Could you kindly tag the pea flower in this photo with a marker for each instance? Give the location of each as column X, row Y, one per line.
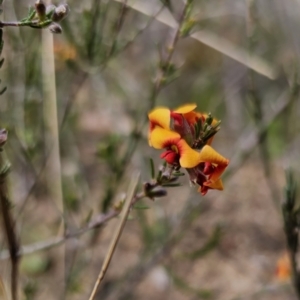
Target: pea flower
column 186, row 136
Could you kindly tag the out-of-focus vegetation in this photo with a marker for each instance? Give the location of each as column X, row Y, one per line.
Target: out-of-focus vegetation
column 114, row 61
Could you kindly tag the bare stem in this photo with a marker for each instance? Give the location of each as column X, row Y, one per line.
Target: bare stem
column 9, row 226
column 33, row 24
column 117, row 235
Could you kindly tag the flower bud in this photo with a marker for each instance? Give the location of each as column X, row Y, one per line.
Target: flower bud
column 50, row 10
column 55, row 28
column 151, row 191
column 60, row 12
column 209, row 119
column 157, row 193
column 40, row 9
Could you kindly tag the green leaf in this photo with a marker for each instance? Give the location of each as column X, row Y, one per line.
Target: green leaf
column 152, row 168
column 170, row 184
column 178, row 173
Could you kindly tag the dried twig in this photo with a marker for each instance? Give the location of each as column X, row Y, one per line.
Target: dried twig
column 56, row 241
column 125, row 211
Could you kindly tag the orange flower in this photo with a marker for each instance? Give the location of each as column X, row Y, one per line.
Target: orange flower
column 174, row 120
column 182, row 120
column 161, row 116
column 186, row 136
column 206, row 176
column 205, row 167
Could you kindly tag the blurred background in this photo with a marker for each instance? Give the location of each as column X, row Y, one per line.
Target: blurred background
column 241, row 64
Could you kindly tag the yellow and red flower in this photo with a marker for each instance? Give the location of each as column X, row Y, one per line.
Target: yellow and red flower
column 182, row 120
column 175, row 131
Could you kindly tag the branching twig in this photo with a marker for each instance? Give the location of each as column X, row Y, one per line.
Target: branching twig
column 97, row 222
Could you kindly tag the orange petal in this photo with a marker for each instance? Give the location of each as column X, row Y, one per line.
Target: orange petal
column 208, row 154
column 216, row 185
column 161, row 138
column 192, row 117
column 184, row 109
column 189, row 158
column 161, row 117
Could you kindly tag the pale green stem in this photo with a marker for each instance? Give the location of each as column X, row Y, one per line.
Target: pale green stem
column 52, row 166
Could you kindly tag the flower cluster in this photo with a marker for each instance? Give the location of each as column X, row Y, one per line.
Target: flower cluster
column 186, row 136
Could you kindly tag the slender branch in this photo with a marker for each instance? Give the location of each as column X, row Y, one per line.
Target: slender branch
column 56, row 241
column 33, row 24
column 8, row 222
column 117, row 235
column 179, row 226
column 97, row 222
column 96, row 8
column 167, row 60
column 118, row 26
